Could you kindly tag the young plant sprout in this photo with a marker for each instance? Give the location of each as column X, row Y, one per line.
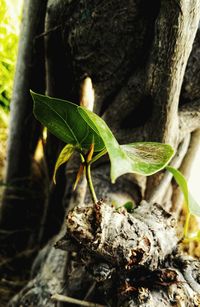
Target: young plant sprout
column 86, row 133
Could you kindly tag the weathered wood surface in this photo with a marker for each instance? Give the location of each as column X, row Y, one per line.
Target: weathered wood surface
column 131, row 258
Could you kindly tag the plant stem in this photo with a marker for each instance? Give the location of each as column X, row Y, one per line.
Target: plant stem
column 191, row 239
column 67, row 299
column 186, row 226
column 89, row 181
column 99, row 155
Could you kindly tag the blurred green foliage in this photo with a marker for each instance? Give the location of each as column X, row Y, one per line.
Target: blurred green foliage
column 10, row 13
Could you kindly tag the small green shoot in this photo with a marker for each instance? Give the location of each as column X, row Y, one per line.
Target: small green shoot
column 129, row 206
column 193, row 208
column 88, row 134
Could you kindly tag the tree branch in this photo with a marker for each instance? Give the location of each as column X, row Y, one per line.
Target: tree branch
column 49, row 270
column 189, row 118
column 67, row 299
column 185, row 168
column 158, row 192
column 124, row 239
column 29, row 74
column 170, row 52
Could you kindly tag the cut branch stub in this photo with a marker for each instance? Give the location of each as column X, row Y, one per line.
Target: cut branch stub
column 142, row 238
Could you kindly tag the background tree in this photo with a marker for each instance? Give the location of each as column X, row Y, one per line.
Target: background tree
column 136, row 55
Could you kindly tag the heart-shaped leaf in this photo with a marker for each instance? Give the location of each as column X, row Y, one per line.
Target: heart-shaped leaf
column 63, row 157
column 192, row 205
column 62, row 119
column 141, row 158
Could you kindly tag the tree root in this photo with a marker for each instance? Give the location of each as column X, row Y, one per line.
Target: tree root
column 123, row 239
column 131, row 259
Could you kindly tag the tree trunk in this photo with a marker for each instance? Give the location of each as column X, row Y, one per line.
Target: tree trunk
column 136, row 55
column 23, row 196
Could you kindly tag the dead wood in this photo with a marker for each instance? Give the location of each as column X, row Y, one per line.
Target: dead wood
column 130, row 258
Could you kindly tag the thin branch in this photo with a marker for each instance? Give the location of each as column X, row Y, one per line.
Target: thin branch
column 185, row 168
column 67, row 299
column 90, row 290
column 190, row 155
column 189, row 118
column 160, row 190
column 45, row 33
column 26, row 253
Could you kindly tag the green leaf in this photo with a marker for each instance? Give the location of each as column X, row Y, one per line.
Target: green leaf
column 119, row 160
column 192, row 205
column 141, row 158
column 148, row 157
column 63, row 157
column 181, row 181
column 62, row 119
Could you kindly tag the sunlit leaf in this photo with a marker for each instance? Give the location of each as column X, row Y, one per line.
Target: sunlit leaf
column 192, row 205
column 141, row 158
column 148, row 157
column 62, row 119
column 63, row 157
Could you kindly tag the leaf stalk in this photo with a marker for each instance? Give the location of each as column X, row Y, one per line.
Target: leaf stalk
column 186, row 226
column 89, row 181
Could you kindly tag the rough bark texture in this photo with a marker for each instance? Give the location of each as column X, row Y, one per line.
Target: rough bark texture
column 136, row 54
column 129, row 259
column 172, row 46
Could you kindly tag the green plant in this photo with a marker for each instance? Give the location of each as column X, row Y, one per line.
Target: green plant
column 192, row 206
column 9, row 33
column 89, row 135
